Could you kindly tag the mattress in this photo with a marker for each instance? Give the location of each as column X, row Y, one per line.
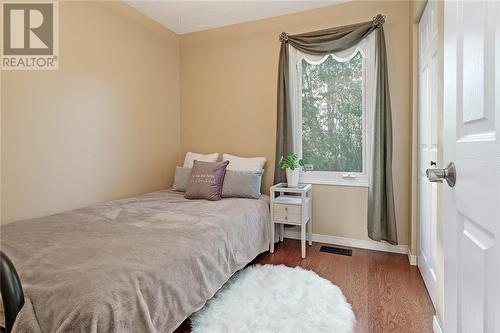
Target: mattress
column 141, row 264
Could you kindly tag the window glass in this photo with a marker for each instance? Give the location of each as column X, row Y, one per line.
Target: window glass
column 332, row 114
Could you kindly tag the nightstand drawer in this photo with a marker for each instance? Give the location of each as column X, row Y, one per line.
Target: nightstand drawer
column 289, row 209
column 287, row 217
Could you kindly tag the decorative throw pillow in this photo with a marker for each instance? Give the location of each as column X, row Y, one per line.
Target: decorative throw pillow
column 181, row 179
column 206, row 180
column 255, row 164
column 191, row 157
column 242, row 184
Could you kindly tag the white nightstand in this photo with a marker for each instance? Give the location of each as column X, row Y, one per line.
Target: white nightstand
column 291, row 205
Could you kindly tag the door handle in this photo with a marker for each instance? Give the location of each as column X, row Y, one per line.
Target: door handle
column 437, row 175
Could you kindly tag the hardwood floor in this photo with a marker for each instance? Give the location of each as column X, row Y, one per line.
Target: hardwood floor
column 386, row 293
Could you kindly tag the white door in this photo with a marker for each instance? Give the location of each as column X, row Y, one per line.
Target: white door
column 472, row 130
column 428, row 108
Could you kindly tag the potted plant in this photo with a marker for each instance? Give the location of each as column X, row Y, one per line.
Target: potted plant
column 292, row 166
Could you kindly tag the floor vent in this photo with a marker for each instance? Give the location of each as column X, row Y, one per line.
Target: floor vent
column 336, row 250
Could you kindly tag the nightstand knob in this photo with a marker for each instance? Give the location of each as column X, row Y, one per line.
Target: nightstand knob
column 286, row 217
column 286, row 209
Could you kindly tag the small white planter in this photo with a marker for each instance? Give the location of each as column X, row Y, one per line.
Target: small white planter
column 292, row 177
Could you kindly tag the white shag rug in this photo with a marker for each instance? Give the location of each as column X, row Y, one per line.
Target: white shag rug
column 270, row 298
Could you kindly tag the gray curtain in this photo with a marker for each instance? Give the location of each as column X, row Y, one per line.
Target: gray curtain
column 381, row 215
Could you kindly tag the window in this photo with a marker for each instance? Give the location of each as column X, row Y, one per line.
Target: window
column 332, row 105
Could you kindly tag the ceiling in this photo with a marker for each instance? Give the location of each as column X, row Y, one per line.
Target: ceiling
column 189, row 16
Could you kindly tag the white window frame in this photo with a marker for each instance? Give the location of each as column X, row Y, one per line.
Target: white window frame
column 367, row 49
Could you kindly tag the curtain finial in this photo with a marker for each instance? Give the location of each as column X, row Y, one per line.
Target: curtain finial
column 284, row 37
column 378, row 20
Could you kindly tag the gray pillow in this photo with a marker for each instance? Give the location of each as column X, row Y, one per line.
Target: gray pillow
column 206, row 180
column 242, row 184
column 181, row 179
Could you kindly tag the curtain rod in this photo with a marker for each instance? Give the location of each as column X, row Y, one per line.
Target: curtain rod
column 377, row 21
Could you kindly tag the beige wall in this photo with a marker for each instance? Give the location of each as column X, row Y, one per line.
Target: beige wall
column 228, row 94
column 105, row 125
column 108, row 127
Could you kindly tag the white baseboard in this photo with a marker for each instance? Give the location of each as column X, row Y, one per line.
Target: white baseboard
column 436, row 326
column 359, row 243
column 412, row 258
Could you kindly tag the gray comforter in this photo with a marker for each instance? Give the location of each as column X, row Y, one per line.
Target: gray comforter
column 142, row 264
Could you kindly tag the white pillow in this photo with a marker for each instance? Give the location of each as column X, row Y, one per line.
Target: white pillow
column 255, row 164
column 191, row 157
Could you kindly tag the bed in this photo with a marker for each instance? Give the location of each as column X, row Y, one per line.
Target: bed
column 141, row 264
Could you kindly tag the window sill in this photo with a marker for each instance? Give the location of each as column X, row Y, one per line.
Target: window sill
column 334, row 182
